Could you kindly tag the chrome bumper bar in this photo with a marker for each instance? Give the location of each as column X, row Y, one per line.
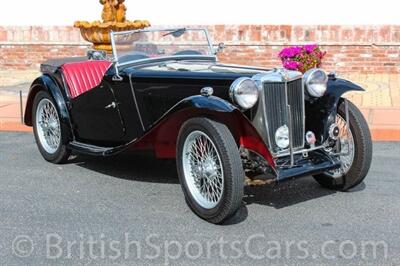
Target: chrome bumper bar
column 302, row 151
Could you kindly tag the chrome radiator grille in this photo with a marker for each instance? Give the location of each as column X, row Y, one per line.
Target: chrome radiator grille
column 277, row 112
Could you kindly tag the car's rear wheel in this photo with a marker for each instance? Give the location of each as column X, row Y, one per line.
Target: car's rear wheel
column 356, row 151
column 47, row 128
column 210, row 169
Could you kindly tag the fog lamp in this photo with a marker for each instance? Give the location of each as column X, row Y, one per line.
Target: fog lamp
column 282, row 137
column 310, row 138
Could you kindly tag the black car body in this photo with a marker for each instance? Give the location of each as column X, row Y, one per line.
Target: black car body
column 142, row 104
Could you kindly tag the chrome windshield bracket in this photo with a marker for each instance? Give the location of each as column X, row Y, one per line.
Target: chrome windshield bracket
column 117, row 77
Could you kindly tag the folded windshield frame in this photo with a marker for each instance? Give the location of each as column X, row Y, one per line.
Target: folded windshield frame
column 211, row 55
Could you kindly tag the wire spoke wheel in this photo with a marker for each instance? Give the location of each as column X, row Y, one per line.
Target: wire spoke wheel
column 210, row 169
column 203, row 170
column 353, row 148
column 48, row 126
column 347, row 148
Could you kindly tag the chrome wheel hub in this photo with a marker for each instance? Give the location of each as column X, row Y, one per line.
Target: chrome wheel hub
column 48, row 126
column 202, row 169
column 347, row 148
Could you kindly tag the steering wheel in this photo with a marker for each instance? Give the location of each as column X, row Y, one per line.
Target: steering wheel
column 132, row 57
column 188, row 52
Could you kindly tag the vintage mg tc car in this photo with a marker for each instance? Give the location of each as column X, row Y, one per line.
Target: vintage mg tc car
column 165, row 91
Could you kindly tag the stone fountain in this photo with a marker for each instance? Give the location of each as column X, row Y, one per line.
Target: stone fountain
column 114, row 19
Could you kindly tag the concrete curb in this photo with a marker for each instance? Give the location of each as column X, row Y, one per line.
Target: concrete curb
column 14, row 126
column 385, row 134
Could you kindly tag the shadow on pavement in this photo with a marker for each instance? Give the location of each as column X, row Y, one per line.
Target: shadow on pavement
column 286, row 194
column 143, row 168
column 358, row 188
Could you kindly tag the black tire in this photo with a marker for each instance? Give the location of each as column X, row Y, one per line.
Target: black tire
column 62, row 153
column 362, row 152
column 233, row 174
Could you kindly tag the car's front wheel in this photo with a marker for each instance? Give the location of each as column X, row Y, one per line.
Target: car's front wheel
column 49, row 135
column 210, row 169
column 355, row 151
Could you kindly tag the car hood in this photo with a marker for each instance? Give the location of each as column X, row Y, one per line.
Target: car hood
column 197, row 69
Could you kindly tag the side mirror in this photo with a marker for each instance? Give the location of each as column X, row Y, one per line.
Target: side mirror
column 220, row 48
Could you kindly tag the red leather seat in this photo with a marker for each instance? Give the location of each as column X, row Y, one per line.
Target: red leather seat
column 84, row 76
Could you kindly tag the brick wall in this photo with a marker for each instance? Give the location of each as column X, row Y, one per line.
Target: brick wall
column 26, row 47
column 361, row 49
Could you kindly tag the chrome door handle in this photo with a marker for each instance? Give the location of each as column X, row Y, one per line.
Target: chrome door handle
column 111, row 105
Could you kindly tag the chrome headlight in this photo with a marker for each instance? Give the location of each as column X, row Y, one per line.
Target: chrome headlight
column 244, row 92
column 282, row 137
column 316, row 82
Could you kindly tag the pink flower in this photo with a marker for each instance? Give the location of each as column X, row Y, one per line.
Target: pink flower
column 309, row 48
column 290, row 52
column 301, row 58
column 291, row 65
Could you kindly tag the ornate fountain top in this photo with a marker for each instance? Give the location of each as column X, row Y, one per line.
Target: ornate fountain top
column 113, row 10
column 114, row 19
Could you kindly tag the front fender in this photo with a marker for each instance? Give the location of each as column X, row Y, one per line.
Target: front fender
column 211, row 103
column 162, row 136
column 48, row 84
column 321, row 113
column 337, row 87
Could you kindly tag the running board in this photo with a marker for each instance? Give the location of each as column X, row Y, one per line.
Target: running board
column 92, row 149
